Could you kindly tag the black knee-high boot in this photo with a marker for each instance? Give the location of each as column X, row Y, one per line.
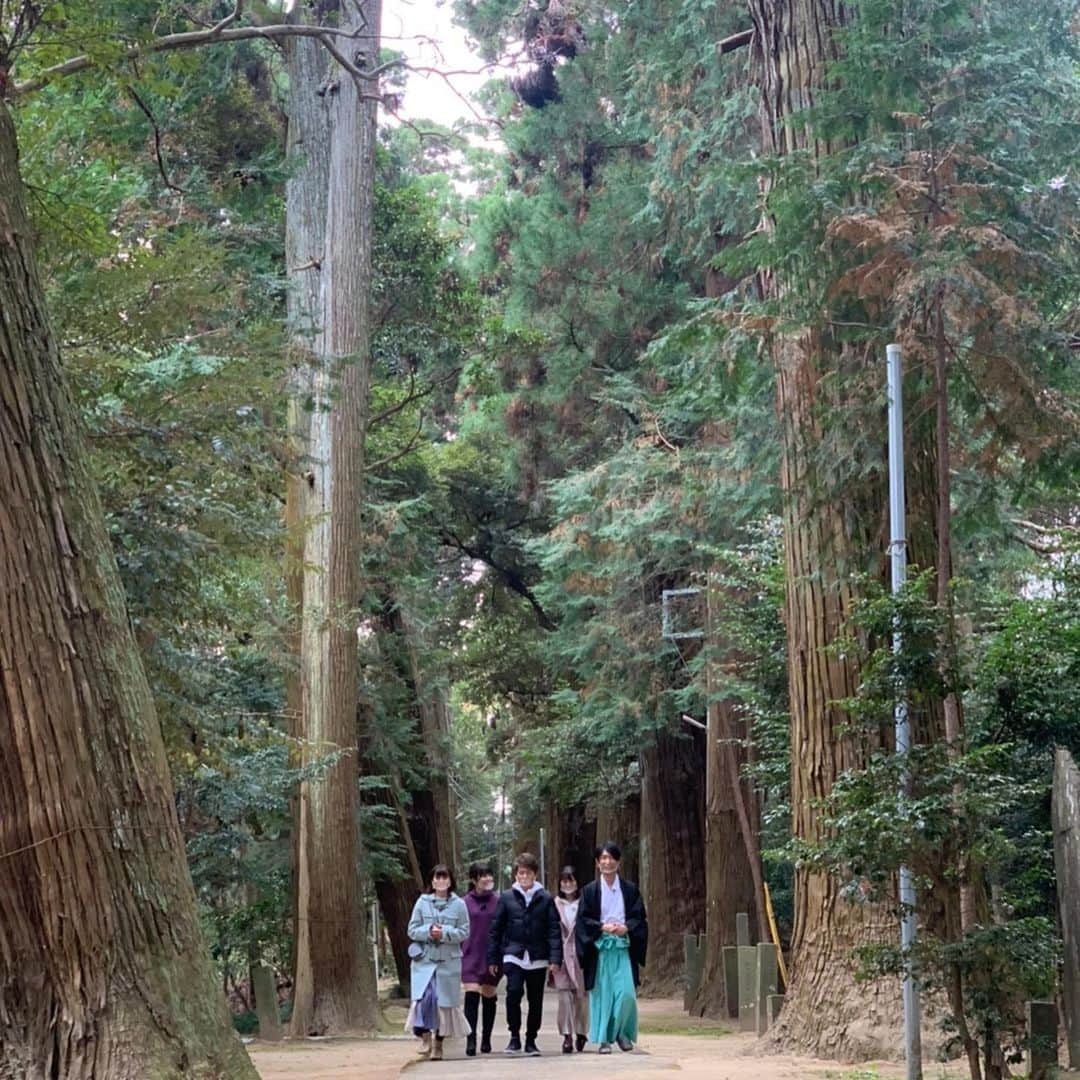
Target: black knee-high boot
column 472, row 1010
column 489, row 1024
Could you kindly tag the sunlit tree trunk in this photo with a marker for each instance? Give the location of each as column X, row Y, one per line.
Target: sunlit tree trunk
column 308, row 156
column 104, row 974
column 1065, row 816
column 334, row 990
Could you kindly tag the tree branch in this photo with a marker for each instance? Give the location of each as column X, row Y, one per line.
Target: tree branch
column 411, row 396
column 408, row 449
column 192, row 39
column 513, row 580
column 735, row 41
column 157, row 142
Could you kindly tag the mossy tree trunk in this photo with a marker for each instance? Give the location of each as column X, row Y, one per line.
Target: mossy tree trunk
column 104, row 974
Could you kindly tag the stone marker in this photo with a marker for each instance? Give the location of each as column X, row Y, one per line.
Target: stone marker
column 766, row 983
column 731, row 979
column 747, row 988
column 266, row 1004
column 694, row 953
column 742, row 928
column 1042, row 1025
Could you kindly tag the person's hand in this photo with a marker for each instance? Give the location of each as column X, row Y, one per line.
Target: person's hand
column 493, row 969
column 552, row 968
column 435, row 933
column 609, row 927
column 619, row 930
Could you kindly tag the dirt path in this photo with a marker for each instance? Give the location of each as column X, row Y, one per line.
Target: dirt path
column 671, row 1042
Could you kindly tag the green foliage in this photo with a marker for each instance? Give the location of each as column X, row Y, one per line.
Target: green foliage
column 1032, row 667
column 976, row 814
column 573, row 412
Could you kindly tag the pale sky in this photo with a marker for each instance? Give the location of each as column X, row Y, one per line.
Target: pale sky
column 424, row 32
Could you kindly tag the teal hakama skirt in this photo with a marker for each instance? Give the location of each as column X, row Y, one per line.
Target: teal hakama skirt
column 612, row 1000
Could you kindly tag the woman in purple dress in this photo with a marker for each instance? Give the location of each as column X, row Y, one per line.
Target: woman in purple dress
column 476, row 980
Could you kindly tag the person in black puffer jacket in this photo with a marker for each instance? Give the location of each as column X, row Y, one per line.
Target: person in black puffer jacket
column 526, row 943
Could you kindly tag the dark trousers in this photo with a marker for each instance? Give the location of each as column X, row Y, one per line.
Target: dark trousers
column 518, row 983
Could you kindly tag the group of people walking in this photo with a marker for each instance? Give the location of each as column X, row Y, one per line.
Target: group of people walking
column 588, row 944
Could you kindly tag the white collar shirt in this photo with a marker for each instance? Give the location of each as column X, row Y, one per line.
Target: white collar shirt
column 612, row 905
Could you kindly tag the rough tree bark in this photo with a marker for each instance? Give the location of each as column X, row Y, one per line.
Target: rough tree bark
column 570, row 841
column 622, row 824
column 672, row 847
column 103, row 969
column 729, row 883
column 830, row 530
column 333, row 989
column 433, row 712
column 1066, row 825
column 308, row 154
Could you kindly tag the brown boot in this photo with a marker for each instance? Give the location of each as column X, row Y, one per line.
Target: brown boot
column 436, row 1050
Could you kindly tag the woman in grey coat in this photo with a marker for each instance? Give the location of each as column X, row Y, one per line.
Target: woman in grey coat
column 439, row 924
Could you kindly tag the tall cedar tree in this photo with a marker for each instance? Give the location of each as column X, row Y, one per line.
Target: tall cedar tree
column 105, row 972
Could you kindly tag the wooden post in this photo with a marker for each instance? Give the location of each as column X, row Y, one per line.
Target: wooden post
column 1065, row 821
column 266, row 1003
column 1042, row 1026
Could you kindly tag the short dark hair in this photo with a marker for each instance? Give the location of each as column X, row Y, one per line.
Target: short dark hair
column 567, row 873
column 527, row 861
column 609, row 847
column 442, row 868
column 477, row 870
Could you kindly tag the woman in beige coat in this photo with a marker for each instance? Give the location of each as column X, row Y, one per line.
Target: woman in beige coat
column 568, row 980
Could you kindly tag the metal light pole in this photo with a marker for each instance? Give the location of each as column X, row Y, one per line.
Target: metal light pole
column 898, row 553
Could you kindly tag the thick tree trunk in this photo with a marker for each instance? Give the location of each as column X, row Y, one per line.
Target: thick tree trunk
column 433, row 711
column 103, row 969
column 827, row 1013
column 729, row 883
column 832, row 529
column 672, row 845
column 1066, row 825
column 570, row 841
column 308, row 155
column 396, row 899
column 622, row 824
column 334, row 990
column 734, row 878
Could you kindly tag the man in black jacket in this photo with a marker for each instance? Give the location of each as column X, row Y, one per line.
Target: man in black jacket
column 611, row 907
column 525, row 941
